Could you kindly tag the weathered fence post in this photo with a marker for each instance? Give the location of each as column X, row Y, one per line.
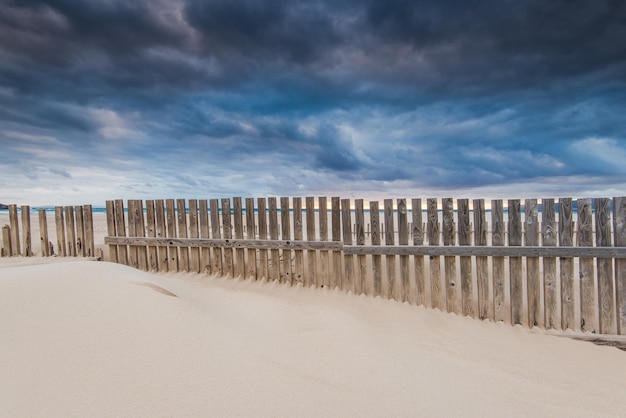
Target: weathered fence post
column 60, row 228
column 619, row 222
column 549, row 238
column 606, row 296
column 324, row 277
column 482, row 267
column 390, row 260
column 43, row 233
column 498, row 239
column 7, row 251
column 418, row 261
column 348, row 260
column 515, row 263
column 403, row 239
column 361, row 276
column 533, row 285
column 566, row 239
column 15, row 231
column 263, row 253
column 588, row 305
column 26, row 237
column 435, row 263
column 465, row 239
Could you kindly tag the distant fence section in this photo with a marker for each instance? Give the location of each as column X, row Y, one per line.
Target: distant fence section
column 558, row 264
column 73, row 229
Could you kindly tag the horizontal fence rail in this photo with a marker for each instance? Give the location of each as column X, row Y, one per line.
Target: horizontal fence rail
column 556, row 264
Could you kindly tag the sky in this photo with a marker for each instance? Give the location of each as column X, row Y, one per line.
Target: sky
column 142, row 99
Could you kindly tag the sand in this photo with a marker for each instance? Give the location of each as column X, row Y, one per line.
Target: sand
column 86, row 338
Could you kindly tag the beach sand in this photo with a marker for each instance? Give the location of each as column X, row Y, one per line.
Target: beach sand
column 86, row 338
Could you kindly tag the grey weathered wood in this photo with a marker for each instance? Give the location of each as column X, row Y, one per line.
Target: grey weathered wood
column 216, row 254
column 361, row 276
column 162, row 263
column 80, row 231
column 15, row 231
column 310, row 273
column 70, row 231
column 194, row 253
column 170, row 218
column 26, row 234
column 324, row 276
column 403, row 239
column 285, row 233
column 120, row 231
column 465, row 239
column 110, row 215
column 132, row 224
column 153, row 262
column 251, row 263
column 348, row 261
column 204, row 232
column 417, row 234
column 298, row 270
column 377, row 278
column 619, row 234
column 566, row 239
column 533, row 284
column 140, row 231
column 549, row 239
column 90, row 248
column 435, row 263
column 240, row 261
column 227, row 233
column 449, row 262
column 482, row 267
column 181, row 216
column 231, row 243
column 60, row 229
column 606, row 295
column 498, row 239
column 7, row 250
column 390, row 260
column 336, row 276
column 515, row 263
column 584, row 236
column 263, row 272
column 274, row 271
column 43, row 234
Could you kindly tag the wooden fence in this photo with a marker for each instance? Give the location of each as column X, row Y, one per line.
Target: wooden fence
column 74, row 232
column 513, row 265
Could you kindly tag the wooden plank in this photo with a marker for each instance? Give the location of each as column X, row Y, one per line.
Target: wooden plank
column 228, row 270
column 60, row 229
column 120, row 231
column 566, row 239
column 110, row 215
column 233, row 243
column 324, row 276
column 15, row 231
column 360, row 282
column 90, row 248
column 274, row 265
column 435, row 263
column 240, row 261
column 619, row 234
column 70, row 231
column 417, row 233
column 26, row 235
column 7, row 250
column 285, row 234
column 194, row 253
column 449, row 262
column 348, row 261
column 170, row 218
column 465, row 239
column 336, row 276
column 205, row 253
column 498, row 239
column 216, row 259
column 310, row 273
column 43, row 234
column 140, row 231
column 549, row 239
column 584, row 236
column 181, row 216
column 153, row 262
column 262, row 220
column 298, row 272
column 160, row 232
column 482, row 266
column 515, row 263
column 390, row 260
column 403, row 239
column 606, row 295
column 133, row 253
column 251, row 264
column 533, row 285
column 80, row 231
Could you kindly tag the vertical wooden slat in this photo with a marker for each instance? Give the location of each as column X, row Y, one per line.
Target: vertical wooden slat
column 110, row 214
column 227, row 234
column 310, row 274
column 418, row 261
column 324, row 277
column 465, row 238
column 390, row 260
column 90, row 248
column 26, row 235
column 43, row 233
column 435, row 263
column 566, row 239
column 160, row 229
column 515, row 263
column 449, row 262
column 140, row 231
column 361, row 276
column 533, row 285
column 151, row 232
column 336, row 276
column 251, row 264
column 183, row 252
column 285, row 220
column 403, row 239
column 606, row 295
column 216, row 259
column 584, row 237
column 60, row 228
column 80, row 231
column 205, row 253
column 274, row 270
column 120, row 231
column 70, row 231
column 619, row 234
column 240, row 262
column 498, row 239
column 15, row 231
column 482, row 267
column 549, row 239
column 132, row 224
column 262, row 220
column 170, row 217
column 377, row 274
column 298, row 273
column 7, row 251
column 348, row 260
column 194, row 253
